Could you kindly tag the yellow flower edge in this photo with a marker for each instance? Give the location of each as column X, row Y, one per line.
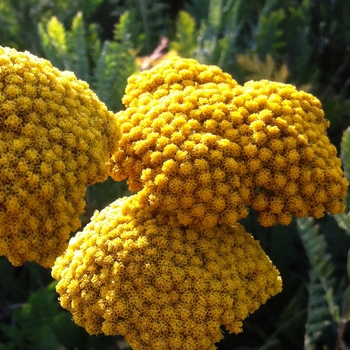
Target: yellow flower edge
column 55, row 138
column 171, row 74
column 291, row 165
column 137, row 272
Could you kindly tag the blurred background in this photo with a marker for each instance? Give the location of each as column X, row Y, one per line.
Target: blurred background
column 302, row 42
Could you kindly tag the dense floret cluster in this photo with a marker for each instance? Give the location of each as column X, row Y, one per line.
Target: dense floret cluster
column 136, row 271
column 195, row 141
column 173, row 75
column 174, row 145
column 55, row 138
column 291, row 167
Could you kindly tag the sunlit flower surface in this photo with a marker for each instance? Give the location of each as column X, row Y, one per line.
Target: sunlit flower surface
column 137, row 272
column 196, row 142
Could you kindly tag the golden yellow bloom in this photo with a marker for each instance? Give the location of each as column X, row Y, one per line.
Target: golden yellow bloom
column 55, row 138
column 299, row 173
column 174, row 143
column 136, row 271
column 193, row 140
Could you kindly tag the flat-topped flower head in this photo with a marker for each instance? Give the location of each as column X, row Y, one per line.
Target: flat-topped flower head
column 137, row 272
column 292, row 167
column 174, row 145
column 55, row 138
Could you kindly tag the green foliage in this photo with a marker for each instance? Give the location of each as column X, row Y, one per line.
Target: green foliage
column 268, row 29
column 315, row 247
column 40, row 324
column 67, row 50
column 40, row 311
column 77, row 44
column 231, row 28
column 185, row 35
column 329, row 31
column 320, row 283
column 256, row 69
column 16, row 283
column 101, row 195
column 106, row 70
column 290, row 322
column 54, row 43
column 219, row 33
column 318, row 316
column 326, row 310
column 114, row 65
column 19, row 19
column 150, row 22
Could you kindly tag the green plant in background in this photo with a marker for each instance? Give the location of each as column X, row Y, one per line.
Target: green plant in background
column 255, row 69
column 150, row 21
column 186, row 35
column 105, row 66
column 244, row 38
column 19, row 20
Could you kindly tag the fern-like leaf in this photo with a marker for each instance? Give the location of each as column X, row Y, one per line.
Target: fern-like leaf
column 256, row 69
column 217, row 39
column 185, row 35
column 77, row 48
column 315, row 247
column 115, row 64
column 215, row 15
column 318, row 316
column 231, row 33
column 54, row 42
column 150, row 22
column 343, row 221
column 67, row 50
column 322, row 308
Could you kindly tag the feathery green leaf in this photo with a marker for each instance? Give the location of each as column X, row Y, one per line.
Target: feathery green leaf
column 115, row 64
column 77, row 48
column 185, row 35
column 54, row 42
column 322, row 308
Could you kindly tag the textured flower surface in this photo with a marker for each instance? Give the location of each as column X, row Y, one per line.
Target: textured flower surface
column 291, row 166
column 195, row 141
column 174, row 144
column 55, row 138
column 135, row 271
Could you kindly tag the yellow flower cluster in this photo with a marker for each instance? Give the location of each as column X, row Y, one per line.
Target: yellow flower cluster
column 55, row 138
column 137, row 272
column 195, row 141
column 291, row 166
column 174, row 144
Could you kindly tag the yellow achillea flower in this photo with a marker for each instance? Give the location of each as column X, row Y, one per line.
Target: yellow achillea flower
column 174, row 145
column 291, row 166
column 137, row 272
column 196, row 142
column 55, row 138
